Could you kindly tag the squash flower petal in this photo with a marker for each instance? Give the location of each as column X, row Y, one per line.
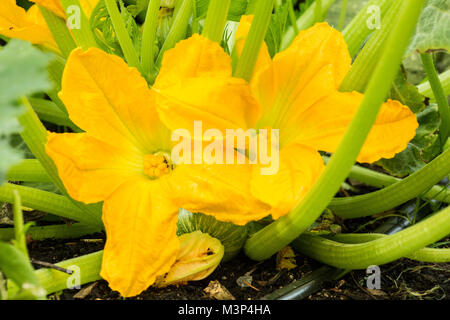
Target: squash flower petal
column 29, row 25
column 123, row 160
column 298, row 94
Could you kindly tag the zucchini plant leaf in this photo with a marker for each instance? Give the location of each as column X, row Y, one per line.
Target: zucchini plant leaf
column 406, row 93
column 433, row 29
column 421, row 150
column 16, row 267
column 276, row 29
column 22, row 72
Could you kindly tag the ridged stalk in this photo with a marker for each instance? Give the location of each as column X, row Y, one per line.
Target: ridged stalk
column 380, row 251
column 28, row 170
column 216, row 19
column 390, row 197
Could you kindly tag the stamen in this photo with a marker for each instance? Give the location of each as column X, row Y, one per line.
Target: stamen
column 156, row 165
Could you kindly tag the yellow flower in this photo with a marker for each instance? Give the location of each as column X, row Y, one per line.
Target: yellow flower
column 123, row 157
column 30, row 25
column 297, row 93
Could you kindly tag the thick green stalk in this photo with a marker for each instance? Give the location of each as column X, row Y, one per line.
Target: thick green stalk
column 377, row 252
column 433, row 255
column 318, row 11
column 381, row 180
column 343, row 14
column 60, row 231
column 292, row 16
column 86, row 269
column 439, row 94
column 47, row 202
column 390, row 197
column 19, row 234
column 425, row 88
column 305, row 21
column 59, row 30
column 149, row 36
column 28, row 170
column 122, row 35
column 178, row 30
column 247, row 61
column 216, row 19
column 359, row 28
column 359, row 75
column 35, row 136
column 278, row 234
column 81, row 28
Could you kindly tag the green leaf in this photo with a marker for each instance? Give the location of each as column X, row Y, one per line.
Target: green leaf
column 406, row 93
column 433, row 28
column 421, row 150
column 16, row 267
column 276, row 29
column 22, row 72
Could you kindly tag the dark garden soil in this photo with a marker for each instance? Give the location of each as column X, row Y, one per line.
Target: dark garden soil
column 401, row 280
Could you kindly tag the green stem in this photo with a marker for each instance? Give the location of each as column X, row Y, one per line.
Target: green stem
column 381, row 180
column 53, row 280
column 28, row 170
column 274, row 237
column 35, row 136
column 305, row 21
column 178, row 29
column 433, row 255
column 380, row 251
column 122, row 35
column 359, row 75
column 247, row 61
column 59, row 30
column 343, row 14
column 20, row 237
column 46, row 202
column 425, row 88
column 358, row 29
column 149, row 36
column 439, row 94
column 82, row 33
column 60, row 231
column 396, row 194
column 292, row 16
column 216, row 18
column 318, row 11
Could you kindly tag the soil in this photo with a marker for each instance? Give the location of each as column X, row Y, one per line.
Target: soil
column 401, row 280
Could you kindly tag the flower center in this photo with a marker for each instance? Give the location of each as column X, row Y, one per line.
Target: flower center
column 156, row 165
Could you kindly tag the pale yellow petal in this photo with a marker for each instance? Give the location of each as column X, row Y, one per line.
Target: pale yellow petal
column 112, row 101
column 141, row 242
column 324, row 124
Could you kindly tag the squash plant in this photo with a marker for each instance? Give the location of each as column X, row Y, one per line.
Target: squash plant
column 124, row 75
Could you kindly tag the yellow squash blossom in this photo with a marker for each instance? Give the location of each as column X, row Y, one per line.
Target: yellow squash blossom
column 297, row 93
column 123, row 158
column 30, row 25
